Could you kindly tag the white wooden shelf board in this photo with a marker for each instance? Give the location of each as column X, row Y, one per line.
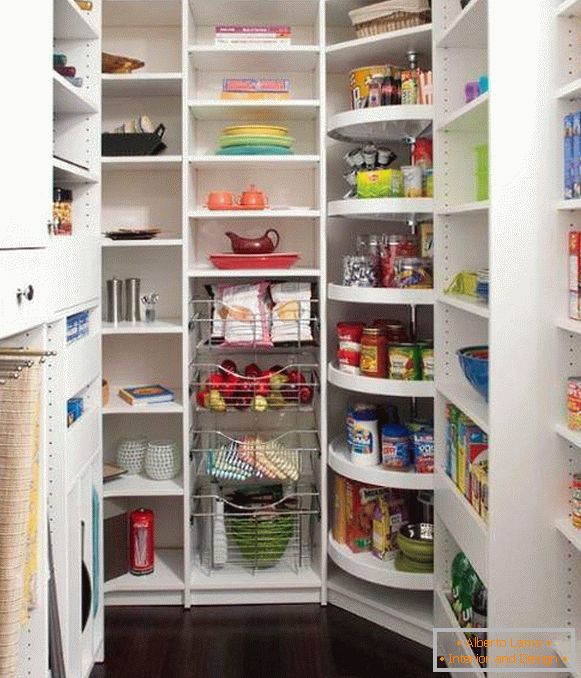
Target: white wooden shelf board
column 408, row 613
column 161, row 326
column 291, row 213
column 444, row 617
column 340, row 462
column 465, row 398
column 168, row 575
column 467, row 528
column 563, row 651
column 270, row 162
column 569, row 205
column 70, row 99
column 391, row 47
column 141, row 486
column 468, row 118
column 465, row 303
column 145, row 163
column 570, row 91
column 480, row 207
column 208, row 271
column 381, row 208
column 380, row 295
column 117, row 405
column 260, row 110
column 381, row 123
column 142, row 13
column 70, row 23
column 66, row 172
column 386, row 387
column 241, row 578
column 369, row 568
column 154, row 242
column 141, row 84
column 571, row 533
column 468, row 29
column 224, row 58
column 569, row 325
column 573, row 437
column 569, row 8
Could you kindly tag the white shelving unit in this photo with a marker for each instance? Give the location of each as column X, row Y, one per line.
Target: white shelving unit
column 386, row 387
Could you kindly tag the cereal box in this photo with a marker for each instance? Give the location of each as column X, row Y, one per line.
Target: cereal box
column 360, row 502
column 568, row 159
column 468, row 434
column 339, row 527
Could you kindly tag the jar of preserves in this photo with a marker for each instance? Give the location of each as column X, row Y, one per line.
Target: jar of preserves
column 413, row 272
column 393, row 246
column 62, row 211
column 395, row 329
column 374, row 362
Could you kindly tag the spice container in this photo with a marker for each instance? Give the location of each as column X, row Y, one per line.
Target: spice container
column 574, row 403
column 576, row 500
column 395, row 447
column 404, row 362
column 374, row 352
column 62, row 211
column 393, row 246
column 349, row 346
column 363, row 434
column 359, row 271
column 413, row 272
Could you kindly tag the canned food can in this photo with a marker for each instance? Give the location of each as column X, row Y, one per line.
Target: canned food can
column 404, row 364
column 349, row 346
column 141, row 542
column 574, row 403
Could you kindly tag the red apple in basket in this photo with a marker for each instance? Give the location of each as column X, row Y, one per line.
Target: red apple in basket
column 228, row 369
column 252, row 371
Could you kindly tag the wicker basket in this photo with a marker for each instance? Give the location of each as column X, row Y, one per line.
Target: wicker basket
column 395, row 22
column 390, row 15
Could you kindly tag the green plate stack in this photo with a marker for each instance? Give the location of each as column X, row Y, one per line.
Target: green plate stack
column 263, row 540
column 255, row 140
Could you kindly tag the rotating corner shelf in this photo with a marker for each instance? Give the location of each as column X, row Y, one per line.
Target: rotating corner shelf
column 340, row 462
column 380, row 295
column 382, row 123
column 386, row 47
column 366, row 566
column 387, row 387
column 384, row 209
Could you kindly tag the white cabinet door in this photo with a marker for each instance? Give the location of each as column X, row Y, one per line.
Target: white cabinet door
column 26, row 123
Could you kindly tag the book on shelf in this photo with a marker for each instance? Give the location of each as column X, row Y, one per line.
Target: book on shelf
column 252, row 88
column 254, row 35
column 146, row 395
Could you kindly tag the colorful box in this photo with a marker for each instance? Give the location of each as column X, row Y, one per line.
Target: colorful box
column 576, row 168
column 339, row 526
column 253, row 88
column 452, row 413
column 568, row 157
column 382, row 183
column 360, row 503
column 468, row 435
column 574, row 274
column 255, row 35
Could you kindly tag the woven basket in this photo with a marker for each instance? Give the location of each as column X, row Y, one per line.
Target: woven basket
column 394, row 22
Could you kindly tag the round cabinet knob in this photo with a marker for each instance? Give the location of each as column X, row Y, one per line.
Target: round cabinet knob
column 27, row 293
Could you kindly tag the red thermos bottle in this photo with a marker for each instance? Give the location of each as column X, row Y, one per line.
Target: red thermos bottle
column 141, row 542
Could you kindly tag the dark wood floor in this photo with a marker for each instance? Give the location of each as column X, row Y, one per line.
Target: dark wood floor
column 292, row 641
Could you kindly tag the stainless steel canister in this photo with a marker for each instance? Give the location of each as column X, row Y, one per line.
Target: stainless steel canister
column 132, row 301
column 114, row 300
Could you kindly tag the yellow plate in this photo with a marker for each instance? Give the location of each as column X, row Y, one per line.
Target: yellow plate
column 256, row 130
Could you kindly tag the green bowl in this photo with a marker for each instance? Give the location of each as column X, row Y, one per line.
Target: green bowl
column 404, row 564
column 416, row 542
column 263, row 541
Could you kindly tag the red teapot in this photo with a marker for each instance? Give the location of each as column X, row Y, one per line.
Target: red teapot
column 263, row 245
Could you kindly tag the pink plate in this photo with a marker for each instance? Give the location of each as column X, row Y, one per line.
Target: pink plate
column 245, row 262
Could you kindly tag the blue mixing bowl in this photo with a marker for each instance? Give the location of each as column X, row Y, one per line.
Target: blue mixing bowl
column 474, row 364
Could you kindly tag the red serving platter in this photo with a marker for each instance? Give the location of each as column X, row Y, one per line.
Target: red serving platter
column 231, row 262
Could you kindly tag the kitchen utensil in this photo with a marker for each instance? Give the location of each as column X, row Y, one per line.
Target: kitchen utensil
column 114, row 300
column 131, row 455
column 85, row 583
column 150, row 301
column 227, row 261
column 252, row 197
column 262, row 245
column 416, row 542
column 132, row 306
column 146, row 143
column 161, row 460
column 474, row 364
column 217, row 200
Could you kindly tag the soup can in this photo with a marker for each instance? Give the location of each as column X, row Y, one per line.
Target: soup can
column 141, row 542
column 574, row 403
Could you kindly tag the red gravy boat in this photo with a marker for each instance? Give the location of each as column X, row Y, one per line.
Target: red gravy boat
column 263, row 245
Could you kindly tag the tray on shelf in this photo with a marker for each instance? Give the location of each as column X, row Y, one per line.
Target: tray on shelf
column 137, row 144
column 230, row 262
